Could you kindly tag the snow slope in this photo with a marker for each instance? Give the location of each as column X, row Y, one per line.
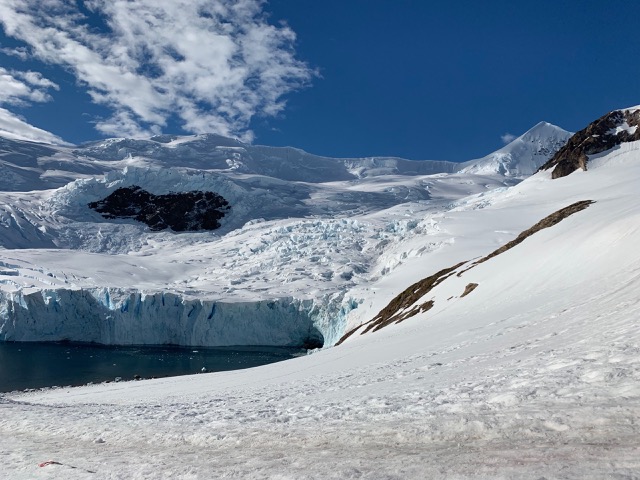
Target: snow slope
column 534, row 374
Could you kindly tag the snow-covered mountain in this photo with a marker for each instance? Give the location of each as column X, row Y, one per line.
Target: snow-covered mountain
column 524, row 155
column 26, row 166
column 296, row 235
column 494, row 328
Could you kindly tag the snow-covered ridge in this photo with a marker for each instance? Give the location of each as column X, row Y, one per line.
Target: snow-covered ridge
column 421, row 296
column 27, row 166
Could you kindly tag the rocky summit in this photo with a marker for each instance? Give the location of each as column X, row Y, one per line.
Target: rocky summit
column 185, row 211
column 612, row 129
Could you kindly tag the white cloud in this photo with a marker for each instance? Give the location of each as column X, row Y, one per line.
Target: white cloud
column 212, row 64
column 20, row 89
column 121, row 124
column 12, row 126
column 508, row 138
column 37, row 80
column 20, row 52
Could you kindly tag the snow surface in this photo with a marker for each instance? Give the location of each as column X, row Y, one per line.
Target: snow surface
column 624, row 127
column 534, row 374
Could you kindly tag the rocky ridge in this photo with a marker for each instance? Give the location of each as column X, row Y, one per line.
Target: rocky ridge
column 612, row 129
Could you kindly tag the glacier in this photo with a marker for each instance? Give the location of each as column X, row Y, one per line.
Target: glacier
column 304, row 242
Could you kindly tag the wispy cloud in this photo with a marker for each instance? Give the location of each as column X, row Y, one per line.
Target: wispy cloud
column 20, row 52
column 508, row 138
column 13, row 126
column 20, row 89
column 212, row 65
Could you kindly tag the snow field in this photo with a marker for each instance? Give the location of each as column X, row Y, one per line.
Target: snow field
column 523, row 390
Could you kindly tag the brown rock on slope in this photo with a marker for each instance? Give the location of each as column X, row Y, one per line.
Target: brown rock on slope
column 612, row 129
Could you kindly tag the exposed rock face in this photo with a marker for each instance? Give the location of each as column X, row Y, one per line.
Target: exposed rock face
column 399, row 309
column 605, row 133
column 187, row 211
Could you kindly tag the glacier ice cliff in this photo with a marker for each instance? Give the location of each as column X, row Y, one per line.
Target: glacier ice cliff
column 121, row 317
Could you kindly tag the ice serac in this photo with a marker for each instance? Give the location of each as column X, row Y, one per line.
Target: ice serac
column 607, row 132
column 524, row 155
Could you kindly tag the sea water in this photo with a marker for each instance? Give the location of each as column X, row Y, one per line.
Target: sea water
column 37, row 365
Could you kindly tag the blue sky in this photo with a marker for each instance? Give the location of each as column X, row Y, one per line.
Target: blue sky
column 416, row 79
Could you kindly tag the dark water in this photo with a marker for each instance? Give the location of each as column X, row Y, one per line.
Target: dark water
column 36, row 365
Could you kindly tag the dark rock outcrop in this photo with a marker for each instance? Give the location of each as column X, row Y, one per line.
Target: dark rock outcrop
column 605, row 133
column 186, row 211
column 468, row 289
column 399, row 309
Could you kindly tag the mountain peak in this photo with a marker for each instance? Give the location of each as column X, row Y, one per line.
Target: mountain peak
column 524, row 155
column 543, row 128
